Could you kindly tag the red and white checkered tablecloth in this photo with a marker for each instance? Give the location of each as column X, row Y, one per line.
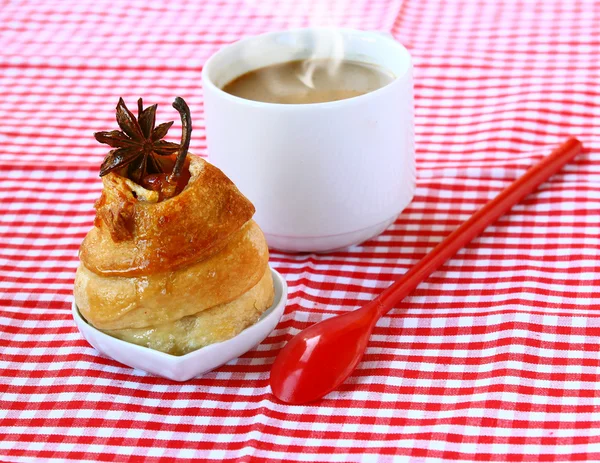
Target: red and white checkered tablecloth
column 496, row 357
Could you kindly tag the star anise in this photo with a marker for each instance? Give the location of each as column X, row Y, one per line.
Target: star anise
column 137, row 144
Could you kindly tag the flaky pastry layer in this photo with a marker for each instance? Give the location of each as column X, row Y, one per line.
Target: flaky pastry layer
column 134, row 238
column 139, row 302
column 213, row 325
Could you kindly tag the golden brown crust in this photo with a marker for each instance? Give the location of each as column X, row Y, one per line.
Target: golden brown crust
column 115, row 210
column 216, row 324
column 135, row 238
column 138, row 302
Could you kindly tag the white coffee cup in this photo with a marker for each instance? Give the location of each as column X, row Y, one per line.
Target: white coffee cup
column 322, row 176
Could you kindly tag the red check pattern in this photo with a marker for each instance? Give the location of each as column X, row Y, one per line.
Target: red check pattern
column 496, row 357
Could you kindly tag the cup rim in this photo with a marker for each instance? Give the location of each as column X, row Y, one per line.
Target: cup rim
column 378, row 35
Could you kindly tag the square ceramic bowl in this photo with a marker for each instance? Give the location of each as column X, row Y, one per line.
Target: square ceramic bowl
column 185, row 367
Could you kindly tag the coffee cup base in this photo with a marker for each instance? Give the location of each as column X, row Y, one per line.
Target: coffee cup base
column 325, row 244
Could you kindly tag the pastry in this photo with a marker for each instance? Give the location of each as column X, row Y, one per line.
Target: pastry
column 174, row 261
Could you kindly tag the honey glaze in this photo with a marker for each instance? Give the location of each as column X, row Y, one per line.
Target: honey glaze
column 160, row 182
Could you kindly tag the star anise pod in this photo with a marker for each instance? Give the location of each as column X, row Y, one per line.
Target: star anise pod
column 137, row 144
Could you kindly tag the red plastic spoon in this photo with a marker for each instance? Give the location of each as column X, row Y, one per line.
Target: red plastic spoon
column 321, row 357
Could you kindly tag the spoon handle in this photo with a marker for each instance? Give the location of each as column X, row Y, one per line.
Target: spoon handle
column 488, row 214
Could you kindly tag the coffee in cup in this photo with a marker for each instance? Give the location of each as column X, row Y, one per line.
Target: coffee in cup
column 309, row 81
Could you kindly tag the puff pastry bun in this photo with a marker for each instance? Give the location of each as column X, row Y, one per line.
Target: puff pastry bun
column 174, row 275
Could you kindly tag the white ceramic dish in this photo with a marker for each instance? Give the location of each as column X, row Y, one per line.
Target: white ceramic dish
column 182, row 368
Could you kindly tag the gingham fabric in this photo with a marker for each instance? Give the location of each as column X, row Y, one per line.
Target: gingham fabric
column 496, row 357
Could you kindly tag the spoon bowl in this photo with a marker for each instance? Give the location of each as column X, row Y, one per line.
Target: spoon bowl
column 337, row 343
